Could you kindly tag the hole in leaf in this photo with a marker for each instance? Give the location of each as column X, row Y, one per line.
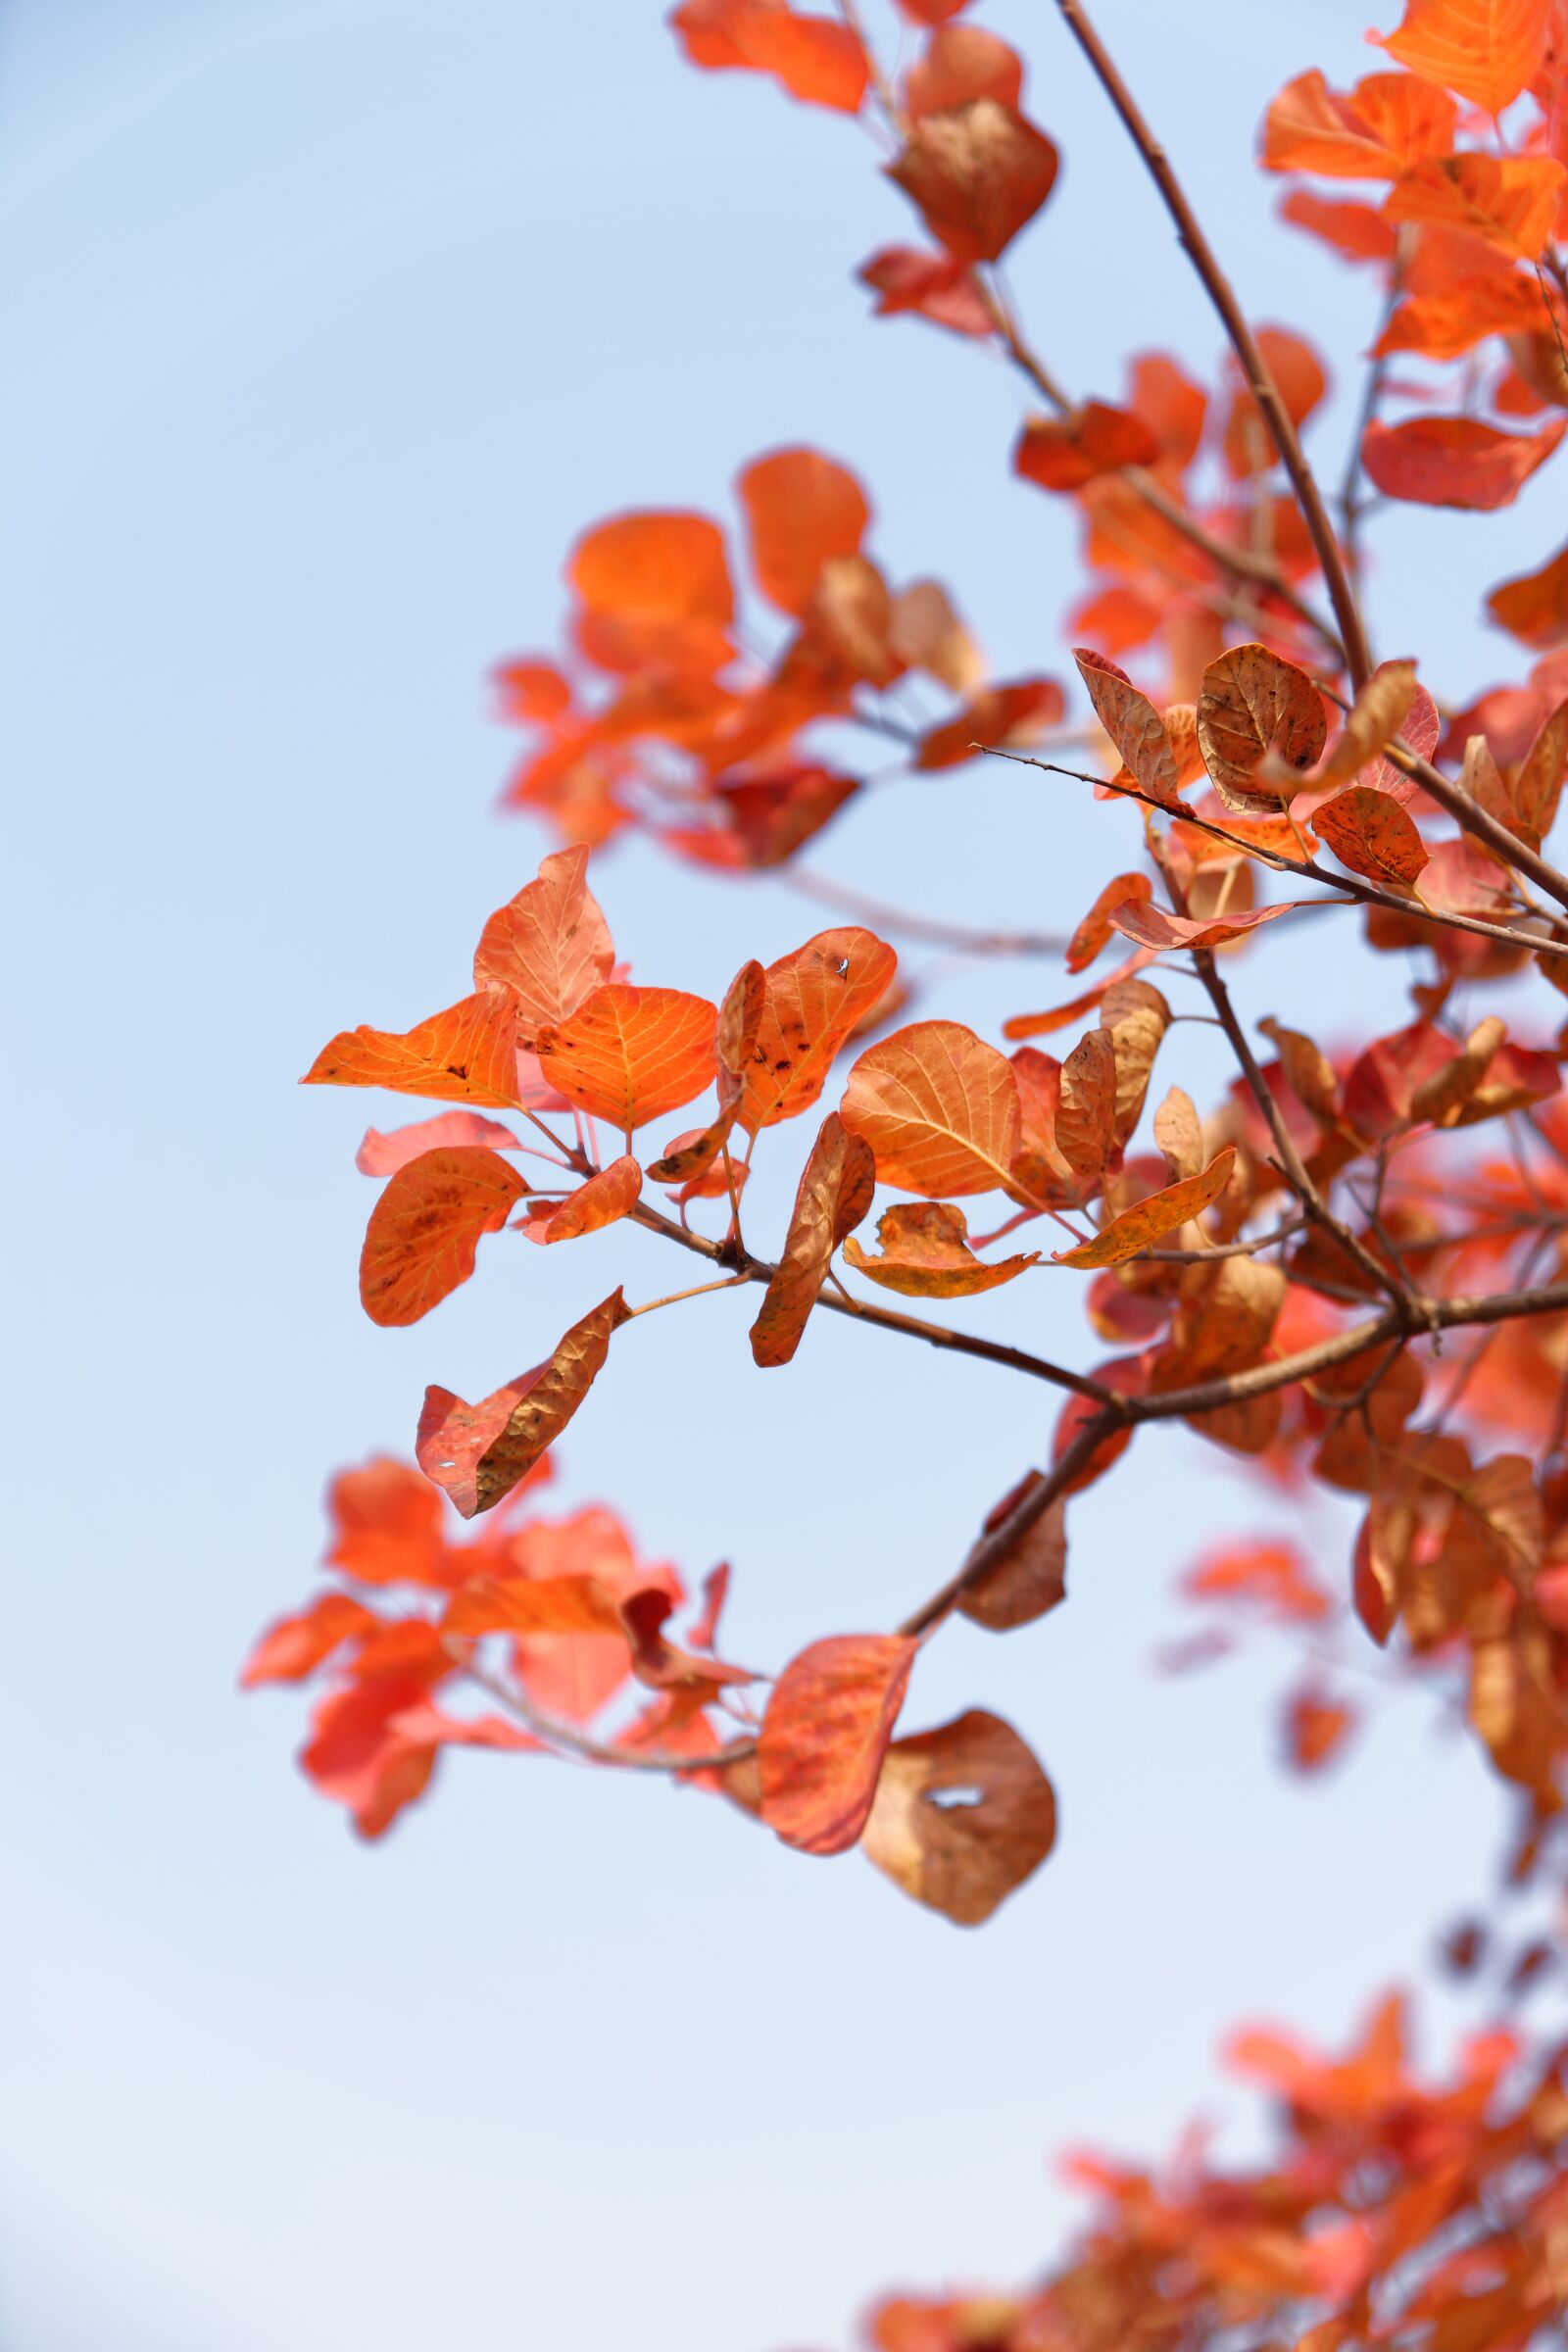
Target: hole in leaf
column 948, row 1799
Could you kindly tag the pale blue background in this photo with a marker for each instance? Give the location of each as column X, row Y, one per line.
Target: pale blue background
column 327, row 327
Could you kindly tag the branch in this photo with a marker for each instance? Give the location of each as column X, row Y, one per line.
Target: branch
column 1305, row 870
column 1259, row 381
column 918, row 926
column 1480, row 821
column 1205, row 1396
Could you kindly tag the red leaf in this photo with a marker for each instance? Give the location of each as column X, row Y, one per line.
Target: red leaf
column 825, row 1734
column 1454, row 460
column 628, row 1055
column 934, row 285
column 383, row 1155
column 812, row 58
column 978, row 173
column 609, row 1194
column 1065, row 452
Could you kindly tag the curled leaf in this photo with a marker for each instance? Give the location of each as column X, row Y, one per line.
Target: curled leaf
column 1031, row 1577
column 478, row 1453
column 1149, row 1221
column 835, row 1191
column 610, row 1192
column 1133, row 724
column 925, row 1254
column 813, row 999
column 1254, row 704
column 978, row 173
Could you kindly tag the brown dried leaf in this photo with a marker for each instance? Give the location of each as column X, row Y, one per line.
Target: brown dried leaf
column 1031, row 1577
column 1133, row 724
column 1138, row 1228
column 963, row 1814
column 478, row 1453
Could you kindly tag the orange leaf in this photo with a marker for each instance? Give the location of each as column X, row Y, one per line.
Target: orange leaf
column 1315, row 1729
column 977, row 174
column 939, row 1107
column 528, row 1605
column 612, row 1193
column 1031, row 1577
column 1152, row 927
column 388, row 1522
column 478, row 1453
column 1510, row 200
column 834, row 1195
column 1355, row 231
column 655, row 586
column 467, row 1053
column 1093, row 932
column 1375, row 132
column 295, row 1646
column 1369, row 832
column 926, row 1254
column 1535, row 606
column 964, row 1856
column 802, row 510
column 1065, row 452
column 1254, row 704
column 1486, row 50
column 628, row 1055
column 812, row 998
column 383, row 1155
column 1147, row 1222
column 550, row 946
column 817, row 60
column 1133, row 724
column 962, row 61
column 1454, row 460
column 425, row 1230
column 1445, row 325
column 825, row 1734
column 936, row 286
column 1009, row 713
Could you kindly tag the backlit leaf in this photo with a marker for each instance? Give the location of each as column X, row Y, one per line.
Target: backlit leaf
column 1065, row 452
column 802, row 510
column 478, row 1453
column 939, row 1109
column 815, row 59
column 1535, row 606
column 550, row 946
column 425, row 1230
column 467, row 1053
column 824, row 1737
column 962, row 1815
column 1375, row 132
column 1454, row 460
column 1509, row 199
column 383, row 1155
column 1486, row 50
column 612, row 1193
column 1152, row 927
column 1094, row 929
column 628, row 1055
column 812, row 998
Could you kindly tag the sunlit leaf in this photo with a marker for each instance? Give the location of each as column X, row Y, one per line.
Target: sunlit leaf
column 478, row 1453
column 609, row 1194
column 834, row 1195
column 467, row 1053
column 925, row 1254
column 1149, row 1221
column 824, row 1737
column 425, row 1230
column 939, row 1109
column 550, row 946
column 628, row 1055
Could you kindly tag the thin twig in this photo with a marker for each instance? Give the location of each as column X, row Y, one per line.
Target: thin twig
column 1260, row 382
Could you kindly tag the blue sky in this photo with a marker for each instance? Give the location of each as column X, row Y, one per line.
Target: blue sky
column 330, row 324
